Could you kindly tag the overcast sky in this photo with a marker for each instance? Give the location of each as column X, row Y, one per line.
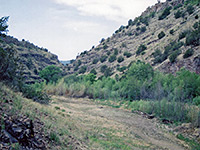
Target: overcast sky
column 68, row 27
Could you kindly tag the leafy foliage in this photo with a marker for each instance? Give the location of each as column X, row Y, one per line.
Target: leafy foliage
column 127, row 54
column 178, row 14
column 8, row 65
column 120, row 59
column 190, row 9
column 112, row 58
column 103, row 58
column 3, row 25
column 165, row 13
column 161, row 35
column 188, row 53
column 140, row 49
column 82, row 70
column 51, row 73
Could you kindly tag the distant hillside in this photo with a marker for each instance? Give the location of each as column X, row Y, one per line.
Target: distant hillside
column 32, row 58
column 65, row 62
column 166, row 35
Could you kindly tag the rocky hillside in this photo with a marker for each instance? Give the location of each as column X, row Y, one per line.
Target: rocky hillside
column 166, row 35
column 32, row 58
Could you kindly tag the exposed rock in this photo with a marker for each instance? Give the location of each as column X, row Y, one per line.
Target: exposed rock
column 20, row 130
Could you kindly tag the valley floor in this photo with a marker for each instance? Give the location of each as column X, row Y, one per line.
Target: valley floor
column 104, row 127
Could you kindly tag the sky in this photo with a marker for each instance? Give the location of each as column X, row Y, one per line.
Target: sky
column 69, row 27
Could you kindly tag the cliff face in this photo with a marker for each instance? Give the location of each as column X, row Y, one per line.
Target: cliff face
column 165, row 35
column 32, row 58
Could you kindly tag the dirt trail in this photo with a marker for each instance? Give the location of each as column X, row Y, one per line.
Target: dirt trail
column 132, row 129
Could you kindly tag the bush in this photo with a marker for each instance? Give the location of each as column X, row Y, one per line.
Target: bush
column 193, row 38
column 183, row 34
column 161, row 35
column 82, row 70
column 127, row 54
column 35, row 93
column 143, row 29
column 171, row 31
column 173, row 56
column 103, row 68
column 122, row 69
column 196, row 25
column 120, row 59
column 140, row 49
column 93, row 71
column 112, row 58
column 165, row 13
column 51, row 73
column 188, row 53
column 95, row 61
column 178, row 14
column 103, row 58
column 190, row 9
column 196, row 100
column 3, row 25
column 116, row 50
column 9, row 67
column 105, row 46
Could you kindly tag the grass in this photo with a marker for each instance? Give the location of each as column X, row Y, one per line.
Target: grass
column 194, row 145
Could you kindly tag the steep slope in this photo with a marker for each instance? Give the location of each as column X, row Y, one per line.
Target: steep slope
column 32, row 58
column 164, row 36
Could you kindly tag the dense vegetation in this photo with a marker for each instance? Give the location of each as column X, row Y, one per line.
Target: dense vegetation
column 165, row 95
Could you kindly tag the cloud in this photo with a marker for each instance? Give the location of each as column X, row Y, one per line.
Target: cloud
column 110, row 9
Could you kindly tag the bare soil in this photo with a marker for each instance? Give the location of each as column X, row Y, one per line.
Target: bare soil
column 104, row 127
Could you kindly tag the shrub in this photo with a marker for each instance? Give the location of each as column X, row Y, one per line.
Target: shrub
column 127, row 54
column 93, row 71
column 116, row 50
column 140, row 49
column 161, row 35
column 105, row 46
column 165, row 13
column 108, row 53
column 188, row 53
column 112, row 58
column 138, row 28
column 121, row 69
column 178, row 14
column 193, row 38
column 95, row 61
column 82, row 70
column 183, row 34
column 190, row 9
column 3, row 24
column 123, row 45
column 196, row 25
column 143, row 29
column 8, row 65
column 120, row 59
column 177, row 6
column 103, row 68
column 196, row 100
column 35, row 93
column 171, row 31
column 108, row 72
column 51, row 73
column 173, row 56
column 103, row 58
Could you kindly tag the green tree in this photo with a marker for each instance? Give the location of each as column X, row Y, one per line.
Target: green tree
column 51, row 73
column 9, row 67
column 3, row 24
